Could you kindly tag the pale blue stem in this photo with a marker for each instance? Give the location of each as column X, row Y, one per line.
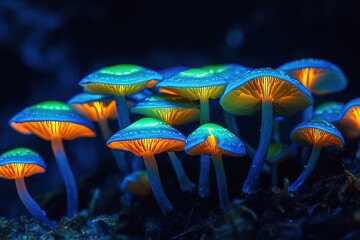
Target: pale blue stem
column 30, row 204
column 65, row 170
column 257, row 164
column 183, row 179
column 308, row 112
column 155, row 183
column 307, row 169
column 221, row 181
column 122, row 111
column 204, row 176
column 120, row 160
column 231, row 125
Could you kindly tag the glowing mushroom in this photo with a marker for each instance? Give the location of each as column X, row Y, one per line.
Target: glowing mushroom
column 173, row 110
column 267, row 92
column 100, row 108
column 136, row 184
column 197, row 84
column 55, row 121
column 216, row 141
column 120, row 81
column 317, row 133
column 349, row 123
column 319, row 76
column 18, row 163
column 330, row 111
column 147, row 137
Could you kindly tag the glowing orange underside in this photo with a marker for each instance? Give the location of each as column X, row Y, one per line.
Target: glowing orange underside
column 210, row 147
column 175, row 116
column 16, row 170
column 115, row 89
column 308, row 76
column 148, row 146
column 212, row 92
column 350, row 123
column 51, row 129
column 311, row 136
column 96, row 110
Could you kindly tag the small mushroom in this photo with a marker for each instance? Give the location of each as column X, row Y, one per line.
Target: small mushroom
column 330, row 111
column 18, row 163
column 317, row 133
column 100, row 108
column 269, row 92
column 120, row 81
column 174, row 110
column 215, row 141
column 319, row 76
column 136, row 184
column 147, row 137
column 56, row 121
column 197, row 84
column 349, row 123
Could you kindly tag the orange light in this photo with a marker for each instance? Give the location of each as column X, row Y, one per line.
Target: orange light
column 174, row 116
column 18, row 170
column 212, row 92
column 316, row 137
column 151, row 83
column 114, row 89
column 209, row 146
column 96, row 110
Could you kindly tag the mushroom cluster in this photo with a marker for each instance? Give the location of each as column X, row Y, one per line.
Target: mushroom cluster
column 190, row 111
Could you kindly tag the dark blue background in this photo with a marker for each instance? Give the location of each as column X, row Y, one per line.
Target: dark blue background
column 46, row 48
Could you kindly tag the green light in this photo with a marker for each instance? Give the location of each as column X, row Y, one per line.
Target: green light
column 122, row 69
column 195, row 72
column 215, row 68
column 52, row 105
column 19, row 152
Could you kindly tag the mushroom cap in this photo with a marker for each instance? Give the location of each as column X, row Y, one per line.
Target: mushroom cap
column 136, row 183
column 21, row 162
column 329, row 111
column 211, row 139
column 228, row 71
column 148, row 136
column 194, row 84
column 317, row 132
column 350, row 119
column 122, row 79
column 174, row 110
column 278, row 152
column 245, row 95
column 319, row 76
column 94, row 106
column 172, row 71
column 51, row 119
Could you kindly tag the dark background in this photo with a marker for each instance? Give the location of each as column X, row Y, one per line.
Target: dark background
column 46, row 48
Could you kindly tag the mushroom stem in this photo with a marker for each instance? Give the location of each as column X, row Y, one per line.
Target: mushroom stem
column 204, row 111
column 307, row 169
column 122, row 111
column 260, row 155
column 65, row 170
column 204, row 177
column 221, row 181
column 357, row 155
column 121, row 161
column 30, row 204
column 184, row 181
column 231, row 125
column 308, row 112
column 155, row 183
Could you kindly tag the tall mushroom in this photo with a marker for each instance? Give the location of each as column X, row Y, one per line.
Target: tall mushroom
column 147, row 137
column 17, row 164
column 215, row 141
column 267, row 92
column 197, row 84
column 317, row 133
column 56, row 121
column 319, row 76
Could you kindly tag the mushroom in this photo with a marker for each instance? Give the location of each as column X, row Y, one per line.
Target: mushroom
column 17, row 164
column 147, row 137
column 230, row 72
column 120, row 81
column 319, row 76
column 349, row 123
column 173, row 110
column 330, row 111
column 99, row 108
column 197, row 84
column 54, row 121
column 136, row 184
column 215, row 141
column 317, row 133
column 277, row 153
column 269, row 92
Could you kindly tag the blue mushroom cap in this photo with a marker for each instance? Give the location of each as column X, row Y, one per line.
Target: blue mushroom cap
column 22, row 155
column 172, row 71
column 82, row 98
